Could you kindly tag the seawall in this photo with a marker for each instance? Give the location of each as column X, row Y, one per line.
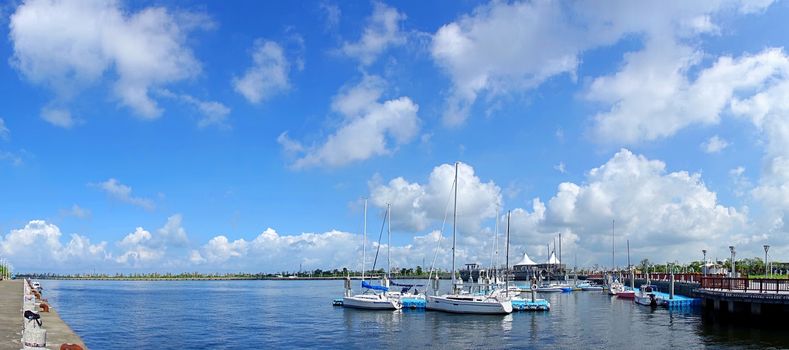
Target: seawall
column 12, row 321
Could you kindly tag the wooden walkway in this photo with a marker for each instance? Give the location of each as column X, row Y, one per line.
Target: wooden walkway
column 11, row 321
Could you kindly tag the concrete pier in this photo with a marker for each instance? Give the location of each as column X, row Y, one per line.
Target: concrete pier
column 11, row 320
column 745, row 299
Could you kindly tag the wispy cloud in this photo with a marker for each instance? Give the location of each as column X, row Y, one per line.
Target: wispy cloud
column 381, row 32
column 714, row 144
column 123, row 193
column 4, row 132
column 268, row 74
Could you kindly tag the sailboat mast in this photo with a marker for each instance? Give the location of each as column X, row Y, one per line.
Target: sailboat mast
column 628, row 254
column 364, row 241
column 507, row 271
column 495, row 249
column 612, row 246
column 454, row 222
column 388, row 240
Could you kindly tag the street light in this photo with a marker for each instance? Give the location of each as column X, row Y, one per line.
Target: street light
column 733, row 269
column 704, row 262
column 766, row 247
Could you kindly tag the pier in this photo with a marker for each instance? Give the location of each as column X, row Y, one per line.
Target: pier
column 744, row 296
column 12, row 320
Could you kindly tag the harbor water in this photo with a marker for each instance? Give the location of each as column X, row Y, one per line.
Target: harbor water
column 299, row 314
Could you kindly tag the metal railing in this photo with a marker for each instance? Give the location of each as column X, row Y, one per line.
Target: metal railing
column 678, row 277
column 761, row 285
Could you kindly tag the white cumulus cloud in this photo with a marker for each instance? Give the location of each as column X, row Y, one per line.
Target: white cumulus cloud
column 70, row 45
column 665, row 215
column 415, row 207
column 505, row 47
column 38, row 245
column 369, row 127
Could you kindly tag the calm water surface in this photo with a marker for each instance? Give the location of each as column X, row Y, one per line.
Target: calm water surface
column 299, row 314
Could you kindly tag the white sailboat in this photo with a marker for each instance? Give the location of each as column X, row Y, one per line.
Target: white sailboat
column 493, row 303
column 408, row 293
column 374, row 297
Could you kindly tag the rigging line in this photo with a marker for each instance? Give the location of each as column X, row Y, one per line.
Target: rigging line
column 441, row 233
column 378, row 248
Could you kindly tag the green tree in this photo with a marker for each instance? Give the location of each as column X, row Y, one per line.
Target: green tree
column 644, row 265
column 419, row 271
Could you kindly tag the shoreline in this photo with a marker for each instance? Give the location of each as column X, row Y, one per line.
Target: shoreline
column 355, row 278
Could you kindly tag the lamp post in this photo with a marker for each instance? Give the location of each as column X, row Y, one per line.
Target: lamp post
column 704, row 262
column 733, row 269
column 766, row 247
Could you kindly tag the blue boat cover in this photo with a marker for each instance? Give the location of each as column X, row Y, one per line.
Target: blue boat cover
column 370, row 286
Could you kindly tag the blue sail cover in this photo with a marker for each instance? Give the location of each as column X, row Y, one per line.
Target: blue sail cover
column 369, row 286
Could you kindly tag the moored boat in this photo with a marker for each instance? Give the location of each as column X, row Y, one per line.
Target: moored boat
column 646, row 296
column 470, row 304
column 551, row 288
column 375, row 296
column 371, row 302
column 492, row 303
column 626, row 294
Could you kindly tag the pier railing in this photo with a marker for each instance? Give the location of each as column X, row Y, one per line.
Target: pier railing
column 678, row 277
column 761, row 285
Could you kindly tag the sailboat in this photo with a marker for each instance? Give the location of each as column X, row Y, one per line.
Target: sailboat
column 492, row 303
column 374, row 297
column 614, row 287
column 408, row 294
column 628, row 293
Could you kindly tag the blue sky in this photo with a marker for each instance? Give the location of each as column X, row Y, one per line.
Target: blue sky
column 139, row 136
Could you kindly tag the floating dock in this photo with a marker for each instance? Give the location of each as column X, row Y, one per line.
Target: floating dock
column 414, row 303
column 528, row 305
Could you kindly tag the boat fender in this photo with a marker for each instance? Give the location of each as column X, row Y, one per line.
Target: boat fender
column 70, row 347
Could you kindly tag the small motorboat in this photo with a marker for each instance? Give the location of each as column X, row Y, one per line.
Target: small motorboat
column 588, row 286
column 626, row 294
column 615, row 288
column 646, row 296
column 550, row 288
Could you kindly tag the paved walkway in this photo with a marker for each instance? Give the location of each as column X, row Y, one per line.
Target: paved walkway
column 58, row 332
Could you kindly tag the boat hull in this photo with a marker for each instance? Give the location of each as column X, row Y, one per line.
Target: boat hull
column 461, row 306
column 626, row 295
column 367, row 303
column 646, row 300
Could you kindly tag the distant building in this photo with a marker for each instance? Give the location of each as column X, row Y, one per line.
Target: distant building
column 527, row 269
